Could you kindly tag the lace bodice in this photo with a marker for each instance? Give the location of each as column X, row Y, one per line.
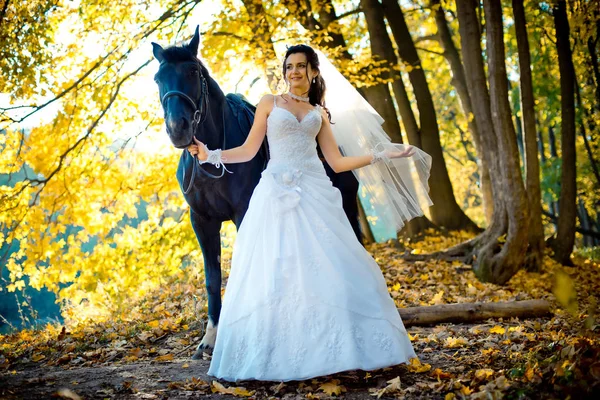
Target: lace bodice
column 292, row 143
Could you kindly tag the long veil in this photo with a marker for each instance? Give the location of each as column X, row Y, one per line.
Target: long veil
column 397, row 188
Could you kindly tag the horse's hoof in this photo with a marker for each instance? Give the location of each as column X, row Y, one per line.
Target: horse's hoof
column 197, row 355
column 201, row 350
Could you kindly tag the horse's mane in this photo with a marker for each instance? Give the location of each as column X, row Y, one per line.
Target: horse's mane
column 176, row 54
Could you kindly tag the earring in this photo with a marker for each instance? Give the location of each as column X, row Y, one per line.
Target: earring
column 313, row 80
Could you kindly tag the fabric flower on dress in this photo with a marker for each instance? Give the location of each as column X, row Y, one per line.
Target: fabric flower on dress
column 287, row 183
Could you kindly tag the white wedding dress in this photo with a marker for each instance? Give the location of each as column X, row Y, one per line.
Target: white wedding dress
column 304, row 298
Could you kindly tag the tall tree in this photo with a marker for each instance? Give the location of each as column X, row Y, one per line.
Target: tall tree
column 262, row 38
column 565, row 236
column 445, row 211
column 493, row 261
column 459, row 81
column 532, row 165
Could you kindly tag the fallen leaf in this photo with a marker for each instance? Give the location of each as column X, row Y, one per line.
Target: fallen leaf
column 452, row 342
column 485, row 373
column 393, row 386
column 332, row 388
column 216, row 387
column 438, row 373
column 416, row 366
column 438, row 298
column 166, row 357
column 66, row 394
column 498, row 329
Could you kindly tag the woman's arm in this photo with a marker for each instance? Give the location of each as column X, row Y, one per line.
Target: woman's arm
column 248, row 150
column 337, row 161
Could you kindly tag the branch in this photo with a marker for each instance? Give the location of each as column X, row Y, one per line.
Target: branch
column 64, row 92
column 434, row 38
column 43, row 182
column 3, row 12
column 141, row 35
column 430, row 51
column 453, row 156
column 464, row 142
column 585, row 232
column 582, row 120
column 348, row 13
column 228, row 34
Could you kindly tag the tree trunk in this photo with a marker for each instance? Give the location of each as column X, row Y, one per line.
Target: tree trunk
column 373, row 94
column 459, row 81
column 565, row 237
column 445, row 211
column 586, row 142
column 584, row 221
column 492, row 261
column 381, row 49
column 592, row 41
column 472, row 312
column 513, row 192
column 365, row 228
column 532, row 165
column 378, row 95
column 262, row 39
column 554, row 155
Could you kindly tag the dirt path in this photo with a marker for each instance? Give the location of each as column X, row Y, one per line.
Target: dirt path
column 148, row 380
column 182, row 378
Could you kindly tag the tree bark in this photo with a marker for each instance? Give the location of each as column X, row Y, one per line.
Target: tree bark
column 586, row 142
column 493, row 261
column 445, row 211
column 382, row 50
column 373, row 94
column 365, row 228
column 592, row 41
column 514, row 197
column 378, row 95
column 565, row 237
column 472, row 312
column 262, row 38
column 459, row 81
column 532, row 166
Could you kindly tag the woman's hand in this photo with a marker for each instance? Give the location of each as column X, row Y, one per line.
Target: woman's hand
column 198, row 150
column 409, row 151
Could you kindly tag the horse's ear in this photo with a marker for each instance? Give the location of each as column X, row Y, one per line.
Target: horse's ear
column 195, row 42
column 158, row 51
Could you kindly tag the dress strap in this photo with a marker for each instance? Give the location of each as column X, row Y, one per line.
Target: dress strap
column 274, row 101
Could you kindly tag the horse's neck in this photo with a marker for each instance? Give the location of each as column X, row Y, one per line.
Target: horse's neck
column 212, row 131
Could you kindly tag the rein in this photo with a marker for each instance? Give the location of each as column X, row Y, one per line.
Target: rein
column 200, row 114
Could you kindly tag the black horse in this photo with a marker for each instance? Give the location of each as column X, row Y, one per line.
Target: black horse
column 194, row 105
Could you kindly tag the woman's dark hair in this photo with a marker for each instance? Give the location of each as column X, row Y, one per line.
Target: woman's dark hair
column 316, row 91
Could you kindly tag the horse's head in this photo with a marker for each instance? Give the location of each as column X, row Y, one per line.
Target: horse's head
column 183, row 89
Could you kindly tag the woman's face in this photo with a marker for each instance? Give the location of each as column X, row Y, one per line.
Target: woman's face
column 298, row 71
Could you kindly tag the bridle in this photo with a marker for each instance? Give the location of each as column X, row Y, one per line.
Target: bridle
column 201, row 112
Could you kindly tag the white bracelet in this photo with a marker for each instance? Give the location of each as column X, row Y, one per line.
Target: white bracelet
column 215, row 158
column 378, row 156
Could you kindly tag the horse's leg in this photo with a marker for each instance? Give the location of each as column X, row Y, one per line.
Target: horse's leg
column 347, row 184
column 208, row 234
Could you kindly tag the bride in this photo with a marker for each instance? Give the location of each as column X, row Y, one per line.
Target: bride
column 304, row 298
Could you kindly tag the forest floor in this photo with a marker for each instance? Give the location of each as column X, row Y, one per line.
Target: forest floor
column 145, row 352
